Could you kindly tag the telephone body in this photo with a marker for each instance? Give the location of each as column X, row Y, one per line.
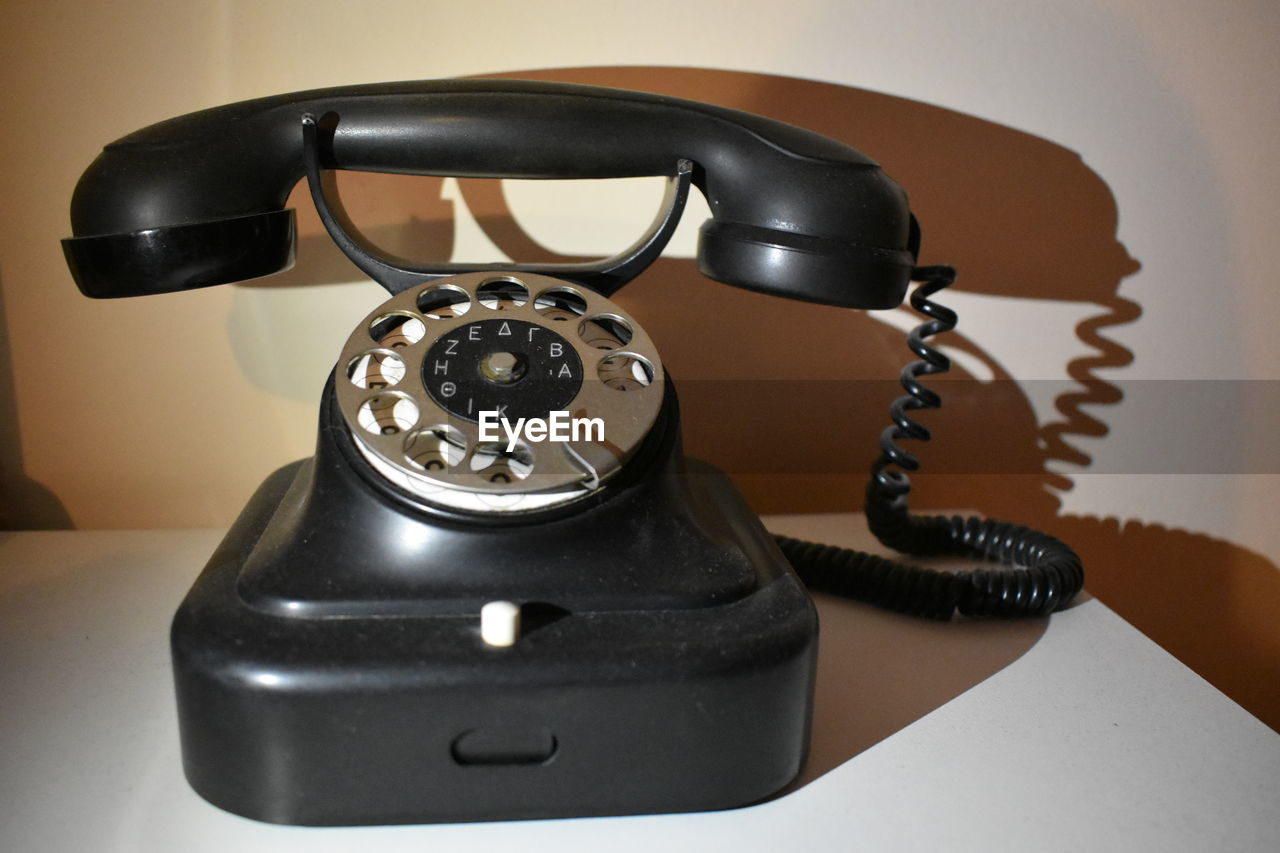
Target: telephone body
column 428, row 621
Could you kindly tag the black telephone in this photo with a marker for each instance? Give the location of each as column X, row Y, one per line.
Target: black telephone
column 499, row 589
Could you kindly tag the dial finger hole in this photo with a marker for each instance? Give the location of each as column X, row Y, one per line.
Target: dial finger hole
column 625, row 372
column 502, row 294
column 442, row 301
column 436, row 448
column 498, row 465
column 560, row 304
column 397, row 330
column 605, row 331
column 375, row 370
column 387, row 414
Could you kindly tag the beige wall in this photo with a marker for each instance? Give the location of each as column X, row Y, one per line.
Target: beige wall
column 166, row 412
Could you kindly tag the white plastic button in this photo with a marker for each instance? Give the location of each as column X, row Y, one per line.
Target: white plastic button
column 500, row 623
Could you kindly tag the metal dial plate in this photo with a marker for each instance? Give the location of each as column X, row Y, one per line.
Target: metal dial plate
column 416, row 373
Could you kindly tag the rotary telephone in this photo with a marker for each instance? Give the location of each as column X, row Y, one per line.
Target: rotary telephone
column 499, row 589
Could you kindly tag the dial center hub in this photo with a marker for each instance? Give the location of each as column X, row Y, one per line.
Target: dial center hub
column 503, row 367
column 514, row 367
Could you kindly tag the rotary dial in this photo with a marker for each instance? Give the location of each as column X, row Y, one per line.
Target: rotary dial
column 428, row 380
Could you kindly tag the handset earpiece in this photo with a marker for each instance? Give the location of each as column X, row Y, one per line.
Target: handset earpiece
column 199, row 200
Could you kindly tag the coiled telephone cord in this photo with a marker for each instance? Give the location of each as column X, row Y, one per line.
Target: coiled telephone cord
column 1044, row 573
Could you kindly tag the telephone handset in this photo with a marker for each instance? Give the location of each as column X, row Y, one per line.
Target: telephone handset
column 499, row 589
column 198, row 200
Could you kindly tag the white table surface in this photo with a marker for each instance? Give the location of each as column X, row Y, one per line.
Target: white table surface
column 1067, row 734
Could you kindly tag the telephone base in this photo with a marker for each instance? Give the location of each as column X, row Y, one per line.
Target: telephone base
column 380, row 720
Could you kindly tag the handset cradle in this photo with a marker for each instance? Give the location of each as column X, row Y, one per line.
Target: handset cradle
column 605, row 276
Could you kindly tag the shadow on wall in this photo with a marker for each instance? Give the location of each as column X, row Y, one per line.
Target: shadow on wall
column 24, row 503
column 1019, row 217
